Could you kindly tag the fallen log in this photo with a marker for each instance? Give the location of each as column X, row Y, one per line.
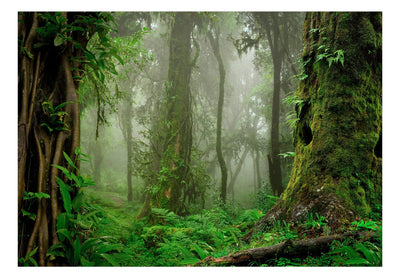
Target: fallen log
column 286, row 249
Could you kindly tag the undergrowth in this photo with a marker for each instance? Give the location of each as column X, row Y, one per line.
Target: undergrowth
column 166, row 239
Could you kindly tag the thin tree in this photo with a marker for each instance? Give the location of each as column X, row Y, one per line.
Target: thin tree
column 213, row 37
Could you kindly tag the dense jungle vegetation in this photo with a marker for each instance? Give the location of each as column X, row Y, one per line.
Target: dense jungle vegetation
column 199, row 139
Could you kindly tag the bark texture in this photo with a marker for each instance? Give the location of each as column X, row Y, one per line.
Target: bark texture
column 286, row 249
column 214, row 41
column 46, row 79
column 337, row 170
column 174, row 174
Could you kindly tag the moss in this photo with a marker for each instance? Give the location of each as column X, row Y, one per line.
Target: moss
column 336, row 135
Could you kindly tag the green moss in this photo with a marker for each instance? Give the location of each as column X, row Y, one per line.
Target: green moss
column 344, row 116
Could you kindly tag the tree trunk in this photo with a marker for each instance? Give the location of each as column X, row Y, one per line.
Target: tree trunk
column 236, row 173
column 174, row 173
column 337, row 169
column 45, row 80
column 274, row 163
column 129, row 168
column 224, row 173
column 286, row 249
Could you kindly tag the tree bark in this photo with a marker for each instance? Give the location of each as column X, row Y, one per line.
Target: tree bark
column 224, row 173
column 44, row 76
column 337, row 172
column 285, row 249
column 175, row 170
column 274, row 162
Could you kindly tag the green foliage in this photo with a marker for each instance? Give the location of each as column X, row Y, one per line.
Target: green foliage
column 287, row 154
column 293, row 116
column 367, row 225
column 55, row 116
column 358, row 254
column 335, row 57
column 322, row 53
column 166, row 239
column 315, row 221
column 77, row 224
column 28, row 260
column 264, row 199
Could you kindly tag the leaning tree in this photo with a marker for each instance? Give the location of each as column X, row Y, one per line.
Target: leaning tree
column 52, row 51
column 337, row 170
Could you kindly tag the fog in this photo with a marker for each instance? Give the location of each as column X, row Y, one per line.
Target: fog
column 130, row 108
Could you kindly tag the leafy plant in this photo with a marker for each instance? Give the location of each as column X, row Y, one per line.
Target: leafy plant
column 315, row 221
column 294, row 116
column 365, row 254
column 75, row 225
column 335, row 57
column 367, row 225
column 56, row 116
column 28, row 260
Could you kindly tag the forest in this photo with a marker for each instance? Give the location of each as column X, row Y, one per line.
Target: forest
column 197, row 139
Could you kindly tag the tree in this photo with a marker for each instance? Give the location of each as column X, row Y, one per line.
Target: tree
column 52, row 47
column 337, row 170
column 125, row 118
column 277, row 30
column 214, row 41
column 174, row 173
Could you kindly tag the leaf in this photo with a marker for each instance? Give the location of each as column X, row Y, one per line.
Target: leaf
column 42, row 195
column 77, row 251
column 77, row 180
column 29, row 214
column 89, row 243
column 62, row 105
column 54, row 251
column 77, row 202
column 33, row 252
column 69, row 160
column 48, row 127
column 109, row 259
column 65, row 233
column 85, row 262
column 64, row 170
column 66, row 197
column 107, row 247
column 59, row 40
column 357, row 261
column 62, row 222
column 202, row 254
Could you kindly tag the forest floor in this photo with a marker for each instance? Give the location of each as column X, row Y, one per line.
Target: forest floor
column 166, row 239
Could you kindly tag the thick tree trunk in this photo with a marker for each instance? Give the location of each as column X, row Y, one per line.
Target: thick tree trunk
column 337, row 170
column 224, row 173
column 45, row 79
column 174, row 172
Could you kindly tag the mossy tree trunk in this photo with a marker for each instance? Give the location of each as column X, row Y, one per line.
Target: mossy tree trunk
column 214, row 41
column 174, row 175
column 337, row 169
column 47, row 77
